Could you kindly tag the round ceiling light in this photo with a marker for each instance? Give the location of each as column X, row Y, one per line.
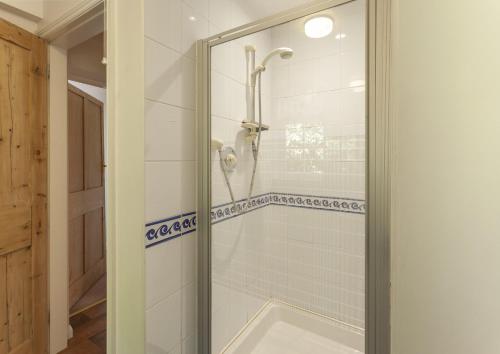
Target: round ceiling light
column 318, row 27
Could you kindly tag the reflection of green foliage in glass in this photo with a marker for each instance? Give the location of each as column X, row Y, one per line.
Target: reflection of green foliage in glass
column 294, row 135
column 294, row 154
column 314, row 136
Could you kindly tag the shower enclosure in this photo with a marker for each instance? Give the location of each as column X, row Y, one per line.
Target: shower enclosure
column 282, row 189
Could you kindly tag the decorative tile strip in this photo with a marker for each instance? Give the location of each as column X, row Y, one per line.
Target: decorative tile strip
column 227, row 211
column 176, row 226
column 347, row 205
column 168, row 229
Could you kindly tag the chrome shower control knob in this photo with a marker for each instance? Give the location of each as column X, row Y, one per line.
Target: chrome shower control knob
column 229, row 158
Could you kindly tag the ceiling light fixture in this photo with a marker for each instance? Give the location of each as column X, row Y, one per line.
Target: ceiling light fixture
column 318, row 27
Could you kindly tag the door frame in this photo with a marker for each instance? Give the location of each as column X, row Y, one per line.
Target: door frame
column 378, row 44
column 124, row 34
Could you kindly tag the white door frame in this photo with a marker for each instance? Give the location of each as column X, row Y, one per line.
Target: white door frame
column 124, row 30
column 125, row 195
column 58, row 200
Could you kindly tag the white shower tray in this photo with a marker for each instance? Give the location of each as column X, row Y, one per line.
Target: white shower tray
column 280, row 328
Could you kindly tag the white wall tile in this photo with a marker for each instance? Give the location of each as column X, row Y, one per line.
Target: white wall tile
column 163, row 325
column 352, row 106
column 352, row 69
column 237, row 58
column 170, row 188
column 280, row 80
column 169, row 132
column 328, row 74
column 163, row 20
column 189, row 304
column 302, row 77
column 221, row 90
column 220, row 13
column 221, row 58
column 353, row 34
column 177, row 350
column 188, row 83
column 200, row 6
column 162, row 72
column 189, row 253
column 194, row 27
column 163, row 271
column 238, row 101
column 189, row 345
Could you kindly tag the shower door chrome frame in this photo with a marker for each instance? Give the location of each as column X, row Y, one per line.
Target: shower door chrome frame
column 377, row 256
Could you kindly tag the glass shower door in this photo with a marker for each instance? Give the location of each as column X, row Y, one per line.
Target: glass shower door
column 288, row 147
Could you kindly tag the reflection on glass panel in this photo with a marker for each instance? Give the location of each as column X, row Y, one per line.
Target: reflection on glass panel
column 288, row 187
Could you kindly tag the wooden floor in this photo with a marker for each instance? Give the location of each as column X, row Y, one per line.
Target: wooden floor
column 96, row 294
column 89, row 332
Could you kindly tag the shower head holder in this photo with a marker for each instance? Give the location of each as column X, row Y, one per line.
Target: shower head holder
column 253, row 129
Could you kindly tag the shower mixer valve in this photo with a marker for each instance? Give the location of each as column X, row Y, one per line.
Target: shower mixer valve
column 228, row 158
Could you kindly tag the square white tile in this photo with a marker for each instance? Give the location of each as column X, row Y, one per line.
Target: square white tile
column 163, row 271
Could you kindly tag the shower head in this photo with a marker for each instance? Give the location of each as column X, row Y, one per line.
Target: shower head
column 284, row 53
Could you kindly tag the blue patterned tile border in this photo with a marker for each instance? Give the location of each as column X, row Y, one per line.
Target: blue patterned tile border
column 183, row 224
column 226, row 211
column 168, row 229
column 346, row 205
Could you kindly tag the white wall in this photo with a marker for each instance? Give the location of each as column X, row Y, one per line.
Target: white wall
column 26, row 14
column 56, row 9
column 32, row 8
column 94, row 91
column 27, row 23
column 445, row 248
column 33, row 15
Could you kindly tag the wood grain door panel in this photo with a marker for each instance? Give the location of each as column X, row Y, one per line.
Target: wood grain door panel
column 23, row 192
column 86, row 192
column 15, row 143
column 76, row 248
column 75, row 144
column 15, row 223
column 93, row 144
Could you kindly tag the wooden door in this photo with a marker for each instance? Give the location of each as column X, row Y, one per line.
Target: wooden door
column 86, row 193
column 23, row 192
